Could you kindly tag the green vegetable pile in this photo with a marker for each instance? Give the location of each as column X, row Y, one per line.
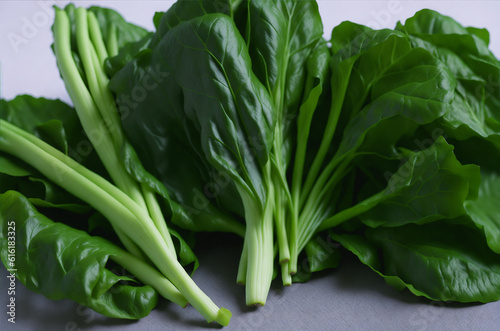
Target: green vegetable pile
column 237, row 116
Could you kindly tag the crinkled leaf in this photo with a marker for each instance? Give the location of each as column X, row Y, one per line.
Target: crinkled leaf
column 441, row 260
column 369, row 53
column 416, row 90
column 465, row 52
column 61, row 262
column 430, row 185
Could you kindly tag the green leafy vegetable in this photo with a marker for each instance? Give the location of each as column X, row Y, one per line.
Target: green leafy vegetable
column 237, row 116
column 442, row 260
column 61, row 262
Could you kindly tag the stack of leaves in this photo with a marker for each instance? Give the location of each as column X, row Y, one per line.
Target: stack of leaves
column 237, row 116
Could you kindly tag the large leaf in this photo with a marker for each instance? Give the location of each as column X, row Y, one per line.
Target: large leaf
column 281, row 35
column 236, row 131
column 416, row 90
column 369, row 53
column 431, row 185
column 185, row 10
column 442, row 260
column 466, row 54
column 180, row 11
column 169, row 146
column 61, row 262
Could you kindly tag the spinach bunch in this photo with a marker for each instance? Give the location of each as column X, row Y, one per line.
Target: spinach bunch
column 304, row 139
column 135, row 207
column 237, row 116
column 418, row 103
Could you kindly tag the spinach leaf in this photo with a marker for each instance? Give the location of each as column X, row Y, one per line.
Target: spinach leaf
column 61, row 262
column 431, row 185
column 442, row 260
column 280, row 36
column 236, row 131
column 414, row 91
column 477, row 71
column 185, row 10
column 170, row 148
column 411, row 89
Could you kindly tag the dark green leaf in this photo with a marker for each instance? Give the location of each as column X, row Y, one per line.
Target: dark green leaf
column 442, row 261
column 431, row 185
column 416, row 90
column 169, row 147
column 61, row 262
column 281, row 36
column 236, row 132
column 465, row 52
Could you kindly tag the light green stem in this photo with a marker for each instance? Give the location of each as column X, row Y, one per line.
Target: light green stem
column 259, row 243
column 157, row 216
column 351, row 212
column 96, row 37
column 113, row 204
column 103, row 115
column 129, row 245
column 150, row 276
column 241, row 277
column 340, row 80
column 88, row 113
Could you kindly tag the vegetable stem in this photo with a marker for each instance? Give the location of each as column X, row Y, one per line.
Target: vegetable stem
column 114, row 205
column 97, row 110
column 150, row 276
column 340, row 83
column 259, row 246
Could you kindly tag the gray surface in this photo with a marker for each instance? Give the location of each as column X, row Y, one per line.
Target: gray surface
column 351, row 297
